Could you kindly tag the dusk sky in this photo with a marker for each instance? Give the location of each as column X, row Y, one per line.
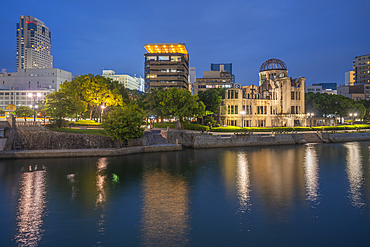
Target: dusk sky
column 316, row 39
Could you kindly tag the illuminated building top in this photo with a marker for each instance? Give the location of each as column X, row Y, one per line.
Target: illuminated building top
column 166, row 48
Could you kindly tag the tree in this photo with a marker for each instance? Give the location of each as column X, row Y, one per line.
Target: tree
column 124, row 123
column 181, row 104
column 24, row 111
column 74, row 90
column 211, row 99
column 2, row 111
column 59, row 106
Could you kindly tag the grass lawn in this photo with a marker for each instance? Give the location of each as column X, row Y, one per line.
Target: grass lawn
column 97, row 132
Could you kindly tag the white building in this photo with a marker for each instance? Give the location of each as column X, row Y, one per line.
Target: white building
column 128, row 81
column 17, row 97
column 35, row 79
column 141, row 83
column 33, row 44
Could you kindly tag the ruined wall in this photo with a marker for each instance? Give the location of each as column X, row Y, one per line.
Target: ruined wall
column 39, row 138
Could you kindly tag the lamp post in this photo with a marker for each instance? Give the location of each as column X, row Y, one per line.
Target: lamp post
column 242, row 113
column 101, row 114
column 310, row 115
column 34, row 106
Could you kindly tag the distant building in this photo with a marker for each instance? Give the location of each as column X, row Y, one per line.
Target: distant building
column 224, row 67
column 349, row 78
column 166, row 65
column 192, row 78
column 213, row 79
column 33, row 44
column 361, row 69
column 35, row 79
column 128, row 81
column 356, row 92
column 18, row 97
column 329, row 88
column 278, row 101
column 141, row 83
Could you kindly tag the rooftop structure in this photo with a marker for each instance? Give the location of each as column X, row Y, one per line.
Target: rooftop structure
column 271, row 69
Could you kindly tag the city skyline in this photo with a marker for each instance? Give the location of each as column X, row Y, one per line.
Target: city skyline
column 317, row 40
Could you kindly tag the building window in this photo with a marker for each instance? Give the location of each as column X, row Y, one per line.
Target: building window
column 175, row 58
column 228, row 109
column 236, row 94
column 163, row 58
column 292, row 109
column 292, row 93
column 236, row 110
column 232, row 109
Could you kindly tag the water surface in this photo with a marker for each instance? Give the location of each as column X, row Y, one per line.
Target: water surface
column 307, row 195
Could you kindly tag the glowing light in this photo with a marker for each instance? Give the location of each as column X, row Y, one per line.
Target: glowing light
column 243, row 182
column 311, row 173
column 354, row 173
column 166, row 48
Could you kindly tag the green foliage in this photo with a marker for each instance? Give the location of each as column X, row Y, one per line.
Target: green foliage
column 211, row 99
column 325, row 104
column 85, row 123
column 59, row 106
column 124, row 123
column 186, row 126
column 24, row 111
column 2, row 111
column 98, row 132
column 181, row 104
column 209, row 121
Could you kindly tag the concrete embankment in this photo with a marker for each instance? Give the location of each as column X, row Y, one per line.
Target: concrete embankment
column 62, row 153
column 193, row 140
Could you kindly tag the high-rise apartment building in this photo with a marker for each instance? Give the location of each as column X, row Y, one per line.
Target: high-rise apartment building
column 361, row 69
column 349, row 78
column 33, row 44
column 166, row 65
column 224, row 67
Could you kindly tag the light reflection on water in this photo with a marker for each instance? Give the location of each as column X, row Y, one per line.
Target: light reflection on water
column 243, row 182
column 311, row 168
column 354, row 173
column 165, row 220
column 101, row 197
column 31, row 207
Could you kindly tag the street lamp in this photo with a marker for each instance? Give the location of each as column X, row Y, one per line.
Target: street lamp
column 101, row 114
column 310, row 116
column 242, row 112
column 31, row 95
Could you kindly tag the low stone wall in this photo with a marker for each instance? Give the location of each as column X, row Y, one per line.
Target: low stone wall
column 39, row 138
column 192, row 140
column 63, row 153
column 213, row 141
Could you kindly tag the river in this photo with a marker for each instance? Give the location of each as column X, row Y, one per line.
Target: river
column 301, row 195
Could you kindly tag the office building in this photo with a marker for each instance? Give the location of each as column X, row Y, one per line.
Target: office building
column 213, row 79
column 329, row 88
column 361, row 69
column 278, row 101
column 35, row 79
column 356, row 92
column 128, row 81
column 224, row 67
column 18, row 97
column 192, row 79
column 166, row 65
column 349, row 78
column 33, row 44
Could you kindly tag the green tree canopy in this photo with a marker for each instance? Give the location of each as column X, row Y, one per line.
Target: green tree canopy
column 59, row 106
column 211, row 99
column 124, row 123
column 24, row 111
column 181, row 104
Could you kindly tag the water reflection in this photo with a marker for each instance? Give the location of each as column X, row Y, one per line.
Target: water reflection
column 165, row 219
column 311, row 174
column 72, row 180
column 101, row 197
column 354, row 173
column 31, row 207
column 243, row 182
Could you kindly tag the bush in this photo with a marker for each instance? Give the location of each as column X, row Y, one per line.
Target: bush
column 123, row 123
column 196, row 127
column 59, row 123
column 84, row 123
